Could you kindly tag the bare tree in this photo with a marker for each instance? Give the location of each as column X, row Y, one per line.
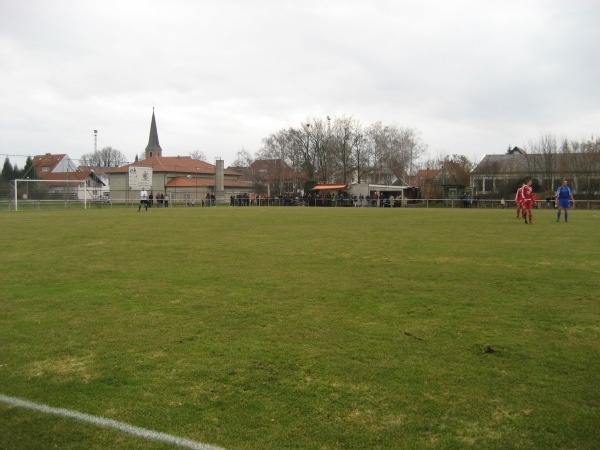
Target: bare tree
column 591, row 149
column 243, row 158
column 343, row 140
column 458, row 168
column 395, row 151
column 543, row 159
column 199, row 155
column 303, row 149
column 278, row 151
column 106, row 157
column 320, row 143
column 428, row 178
column 346, row 151
column 411, row 146
column 360, row 150
column 378, row 149
column 580, row 161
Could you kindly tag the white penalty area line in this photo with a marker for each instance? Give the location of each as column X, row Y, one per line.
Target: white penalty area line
column 108, row 423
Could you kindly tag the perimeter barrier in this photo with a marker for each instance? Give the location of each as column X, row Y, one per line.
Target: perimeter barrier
column 6, row 204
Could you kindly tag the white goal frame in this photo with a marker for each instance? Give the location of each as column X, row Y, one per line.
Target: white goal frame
column 28, row 180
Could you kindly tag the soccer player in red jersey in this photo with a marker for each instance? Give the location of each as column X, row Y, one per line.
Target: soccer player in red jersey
column 519, row 201
column 527, row 196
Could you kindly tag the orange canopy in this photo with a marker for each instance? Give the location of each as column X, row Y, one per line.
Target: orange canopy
column 330, row 186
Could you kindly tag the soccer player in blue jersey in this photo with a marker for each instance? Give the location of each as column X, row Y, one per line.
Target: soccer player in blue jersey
column 563, row 196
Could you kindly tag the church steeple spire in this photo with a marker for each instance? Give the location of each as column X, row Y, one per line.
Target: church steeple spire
column 153, row 148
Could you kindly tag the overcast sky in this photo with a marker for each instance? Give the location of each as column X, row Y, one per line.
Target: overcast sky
column 473, row 76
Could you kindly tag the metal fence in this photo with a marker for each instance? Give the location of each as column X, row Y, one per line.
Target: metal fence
column 7, row 204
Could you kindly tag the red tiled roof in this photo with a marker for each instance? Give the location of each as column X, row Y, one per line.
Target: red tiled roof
column 204, row 182
column 428, row 173
column 67, row 176
column 190, row 182
column 177, row 164
column 47, row 160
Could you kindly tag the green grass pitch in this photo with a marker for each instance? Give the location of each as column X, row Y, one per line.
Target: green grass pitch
column 308, row 328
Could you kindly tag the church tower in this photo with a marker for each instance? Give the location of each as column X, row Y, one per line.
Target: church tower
column 153, row 148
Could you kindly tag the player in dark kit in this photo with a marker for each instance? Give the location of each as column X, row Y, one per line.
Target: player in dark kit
column 563, row 196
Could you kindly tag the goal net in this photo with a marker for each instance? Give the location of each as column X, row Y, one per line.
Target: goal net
column 49, row 194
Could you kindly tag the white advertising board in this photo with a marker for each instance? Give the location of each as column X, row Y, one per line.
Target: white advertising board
column 140, row 177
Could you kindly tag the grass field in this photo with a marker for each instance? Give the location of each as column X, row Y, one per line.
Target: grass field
column 308, row 328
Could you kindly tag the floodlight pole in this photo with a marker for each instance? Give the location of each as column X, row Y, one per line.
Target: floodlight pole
column 307, row 127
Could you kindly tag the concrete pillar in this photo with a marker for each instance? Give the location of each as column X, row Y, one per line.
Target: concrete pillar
column 220, row 181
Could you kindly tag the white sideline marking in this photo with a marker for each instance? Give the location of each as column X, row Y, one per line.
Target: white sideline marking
column 109, row 423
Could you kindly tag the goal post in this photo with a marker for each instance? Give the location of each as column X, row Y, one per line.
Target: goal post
column 48, row 194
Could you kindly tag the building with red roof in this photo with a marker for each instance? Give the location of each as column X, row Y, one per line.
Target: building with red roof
column 183, row 179
column 56, row 169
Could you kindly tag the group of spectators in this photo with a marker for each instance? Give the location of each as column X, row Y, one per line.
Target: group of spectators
column 340, row 198
column 209, row 200
column 376, row 201
column 250, row 199
column 469, row 201
column 334, row 199
column 161, row 200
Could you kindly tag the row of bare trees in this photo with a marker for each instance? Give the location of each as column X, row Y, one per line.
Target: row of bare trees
column 443, row 170
column 554, row 159
column 343, row 150
column 548, row 160
column 106, row 157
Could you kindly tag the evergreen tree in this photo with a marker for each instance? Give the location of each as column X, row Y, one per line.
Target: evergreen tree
column 28, row 171
column 7, row 170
